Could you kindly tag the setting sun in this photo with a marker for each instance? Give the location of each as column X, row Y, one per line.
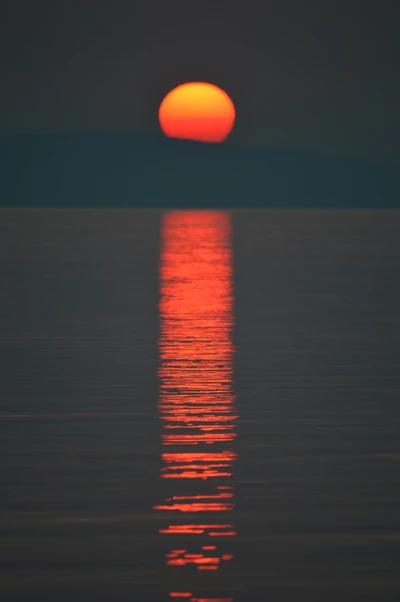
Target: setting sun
column 197, row 111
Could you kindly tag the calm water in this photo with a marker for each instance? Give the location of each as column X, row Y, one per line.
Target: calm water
column 200, row 406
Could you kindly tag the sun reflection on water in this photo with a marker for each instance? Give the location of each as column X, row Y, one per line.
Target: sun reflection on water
column 196, row 402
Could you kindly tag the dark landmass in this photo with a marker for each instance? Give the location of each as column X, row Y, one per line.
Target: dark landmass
column 139, row 170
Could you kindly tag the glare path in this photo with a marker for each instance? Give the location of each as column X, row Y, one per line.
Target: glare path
column 196, row 401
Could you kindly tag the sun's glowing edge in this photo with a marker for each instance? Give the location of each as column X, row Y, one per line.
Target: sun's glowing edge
column 197, row 111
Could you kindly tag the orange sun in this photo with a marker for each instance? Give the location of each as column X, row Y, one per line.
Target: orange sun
column 197, row 111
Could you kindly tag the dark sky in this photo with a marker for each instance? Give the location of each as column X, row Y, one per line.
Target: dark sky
column 305, row 74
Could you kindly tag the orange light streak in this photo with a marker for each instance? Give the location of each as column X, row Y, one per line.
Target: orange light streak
column 187, row 439
column 192, row 466
column 202, row 497
column 212, row 507
column 196, row 402
column 197, row 529
column 199, row 457
column 209, row 474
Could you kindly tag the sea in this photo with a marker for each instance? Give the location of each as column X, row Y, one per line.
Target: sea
column 200, row 406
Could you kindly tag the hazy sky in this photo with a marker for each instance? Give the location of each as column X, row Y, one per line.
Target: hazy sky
column 312, row 74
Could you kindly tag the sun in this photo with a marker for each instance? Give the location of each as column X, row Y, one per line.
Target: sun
column 197, row 111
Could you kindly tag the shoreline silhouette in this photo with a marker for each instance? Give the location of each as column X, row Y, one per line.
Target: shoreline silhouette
column 149, row 171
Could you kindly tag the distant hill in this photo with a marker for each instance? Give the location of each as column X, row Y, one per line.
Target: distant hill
column 137, row 170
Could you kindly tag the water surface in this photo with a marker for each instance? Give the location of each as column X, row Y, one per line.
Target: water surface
column 200, row 405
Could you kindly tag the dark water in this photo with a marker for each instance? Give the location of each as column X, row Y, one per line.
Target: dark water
column 200, row 404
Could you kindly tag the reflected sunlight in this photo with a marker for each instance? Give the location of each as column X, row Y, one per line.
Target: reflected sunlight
column 196, row 402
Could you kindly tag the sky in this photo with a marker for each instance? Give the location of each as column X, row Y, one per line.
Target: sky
column 302, row 74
